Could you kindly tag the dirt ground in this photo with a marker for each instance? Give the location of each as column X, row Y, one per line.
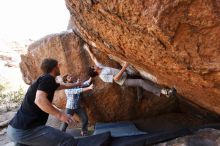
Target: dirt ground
column 152, row 125
column 52, row 121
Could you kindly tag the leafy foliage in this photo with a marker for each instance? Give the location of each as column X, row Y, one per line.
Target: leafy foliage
column 7, row 97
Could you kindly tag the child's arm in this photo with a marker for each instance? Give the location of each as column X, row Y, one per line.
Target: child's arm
column 91, row 87
column 87, row 82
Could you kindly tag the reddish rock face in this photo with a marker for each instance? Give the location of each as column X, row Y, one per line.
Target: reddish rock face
column 176, row 41
column 108, row 102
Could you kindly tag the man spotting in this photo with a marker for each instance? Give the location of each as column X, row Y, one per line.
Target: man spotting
column 28, row 125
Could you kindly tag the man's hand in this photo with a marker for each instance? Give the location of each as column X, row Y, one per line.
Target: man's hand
column 126, row 65
column 86, row 47
column 65, row 118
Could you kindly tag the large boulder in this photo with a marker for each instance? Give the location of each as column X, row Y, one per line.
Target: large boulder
column 174, row 41
column 108, row 102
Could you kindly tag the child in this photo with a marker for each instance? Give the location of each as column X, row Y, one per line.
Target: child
column 73, row 103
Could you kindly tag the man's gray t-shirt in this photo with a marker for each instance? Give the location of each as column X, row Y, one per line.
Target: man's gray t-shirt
column 107, row 74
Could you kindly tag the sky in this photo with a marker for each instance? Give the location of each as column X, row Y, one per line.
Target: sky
column 32, row 19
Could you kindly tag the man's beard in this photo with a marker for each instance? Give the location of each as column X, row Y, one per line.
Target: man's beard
column 57, row 72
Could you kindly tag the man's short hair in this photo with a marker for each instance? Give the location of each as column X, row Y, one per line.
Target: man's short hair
column 92, row 72
column 48, row 64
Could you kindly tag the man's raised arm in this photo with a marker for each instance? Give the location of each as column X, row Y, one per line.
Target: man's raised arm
column 94, row 59
column 118, row 76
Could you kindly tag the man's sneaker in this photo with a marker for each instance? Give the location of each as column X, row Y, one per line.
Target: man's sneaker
column 168, row 92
